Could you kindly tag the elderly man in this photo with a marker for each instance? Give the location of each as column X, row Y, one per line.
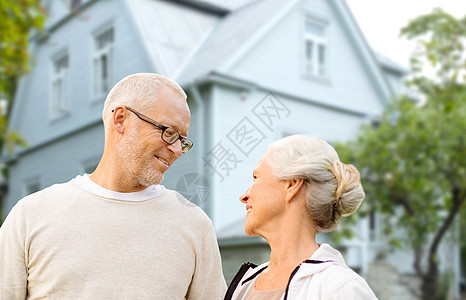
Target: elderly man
column 117, row 233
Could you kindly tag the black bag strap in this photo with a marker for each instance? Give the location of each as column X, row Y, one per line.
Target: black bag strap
column 307, row 261
column 234, row 283
column 254, row 275
column 246, row 266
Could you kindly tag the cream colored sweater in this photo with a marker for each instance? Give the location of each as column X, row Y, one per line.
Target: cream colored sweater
column 67, row 243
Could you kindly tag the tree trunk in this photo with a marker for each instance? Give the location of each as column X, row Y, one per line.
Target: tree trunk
column 430, row 278
column 430, row 281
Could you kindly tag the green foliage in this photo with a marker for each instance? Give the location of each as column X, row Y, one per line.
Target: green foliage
column 413, row 160
column 413, row 163
column 17, row 19
column 440, row 44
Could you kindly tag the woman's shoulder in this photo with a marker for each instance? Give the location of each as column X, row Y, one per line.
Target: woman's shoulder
column 340, row 274
column 339, row 278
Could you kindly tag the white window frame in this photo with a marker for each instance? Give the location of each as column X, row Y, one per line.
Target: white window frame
column 59, row 95
column 102, row 78
column 312, row 66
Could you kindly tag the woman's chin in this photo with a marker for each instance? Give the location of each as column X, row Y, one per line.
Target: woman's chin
column 249, row 230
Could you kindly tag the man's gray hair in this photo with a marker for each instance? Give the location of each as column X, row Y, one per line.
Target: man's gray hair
column 135, row 91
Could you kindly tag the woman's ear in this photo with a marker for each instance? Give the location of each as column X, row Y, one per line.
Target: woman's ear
column 118, row 118
column 292, row 188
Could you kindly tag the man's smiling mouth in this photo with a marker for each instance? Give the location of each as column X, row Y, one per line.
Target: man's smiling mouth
column 162, row 160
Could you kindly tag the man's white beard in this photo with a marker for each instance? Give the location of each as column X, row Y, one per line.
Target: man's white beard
column 136, row 163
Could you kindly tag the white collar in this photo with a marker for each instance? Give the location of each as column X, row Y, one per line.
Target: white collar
column 86, row 183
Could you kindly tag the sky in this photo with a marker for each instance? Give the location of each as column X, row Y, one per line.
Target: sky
column 381, row 21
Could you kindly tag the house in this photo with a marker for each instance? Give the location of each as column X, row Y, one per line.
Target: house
column 254, row 71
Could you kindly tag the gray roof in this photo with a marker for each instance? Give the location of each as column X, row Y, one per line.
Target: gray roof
column 176, row 35
column 170, row 31
column 390, row 65
column 216, row 5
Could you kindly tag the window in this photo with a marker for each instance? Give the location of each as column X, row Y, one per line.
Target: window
column 59, row 95
column 315, row 48
column 103, row 52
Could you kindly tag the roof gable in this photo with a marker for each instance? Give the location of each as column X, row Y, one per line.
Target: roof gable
column 189, row 44
column 238, row 32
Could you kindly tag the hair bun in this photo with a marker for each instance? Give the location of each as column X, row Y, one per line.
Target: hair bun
column 349, row 192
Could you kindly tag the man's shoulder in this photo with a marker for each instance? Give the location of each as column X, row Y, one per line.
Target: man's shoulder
column 58, row 192
column 185, row 207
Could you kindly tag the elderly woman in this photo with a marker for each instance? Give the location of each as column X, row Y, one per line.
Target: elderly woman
column 300, row 188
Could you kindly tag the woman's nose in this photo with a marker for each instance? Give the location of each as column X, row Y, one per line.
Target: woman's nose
column 244, row 197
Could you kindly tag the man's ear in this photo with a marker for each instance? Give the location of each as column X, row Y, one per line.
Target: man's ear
column 292, row 188
column 118, row 118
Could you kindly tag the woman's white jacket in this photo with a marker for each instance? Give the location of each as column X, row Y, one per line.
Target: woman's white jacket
column 324, row 276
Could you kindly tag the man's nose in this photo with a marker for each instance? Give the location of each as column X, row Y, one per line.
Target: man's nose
column 175, row 147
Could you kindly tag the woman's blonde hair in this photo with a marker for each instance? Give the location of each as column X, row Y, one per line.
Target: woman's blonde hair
column 333, row 188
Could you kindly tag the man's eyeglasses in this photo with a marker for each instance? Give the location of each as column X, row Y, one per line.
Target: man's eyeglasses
column 169, row 135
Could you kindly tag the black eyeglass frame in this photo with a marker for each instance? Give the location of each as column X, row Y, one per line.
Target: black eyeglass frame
column 186, row 144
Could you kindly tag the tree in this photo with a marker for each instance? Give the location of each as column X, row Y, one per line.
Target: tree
column 413, row 163
column 462, row 231
column 17, row 19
